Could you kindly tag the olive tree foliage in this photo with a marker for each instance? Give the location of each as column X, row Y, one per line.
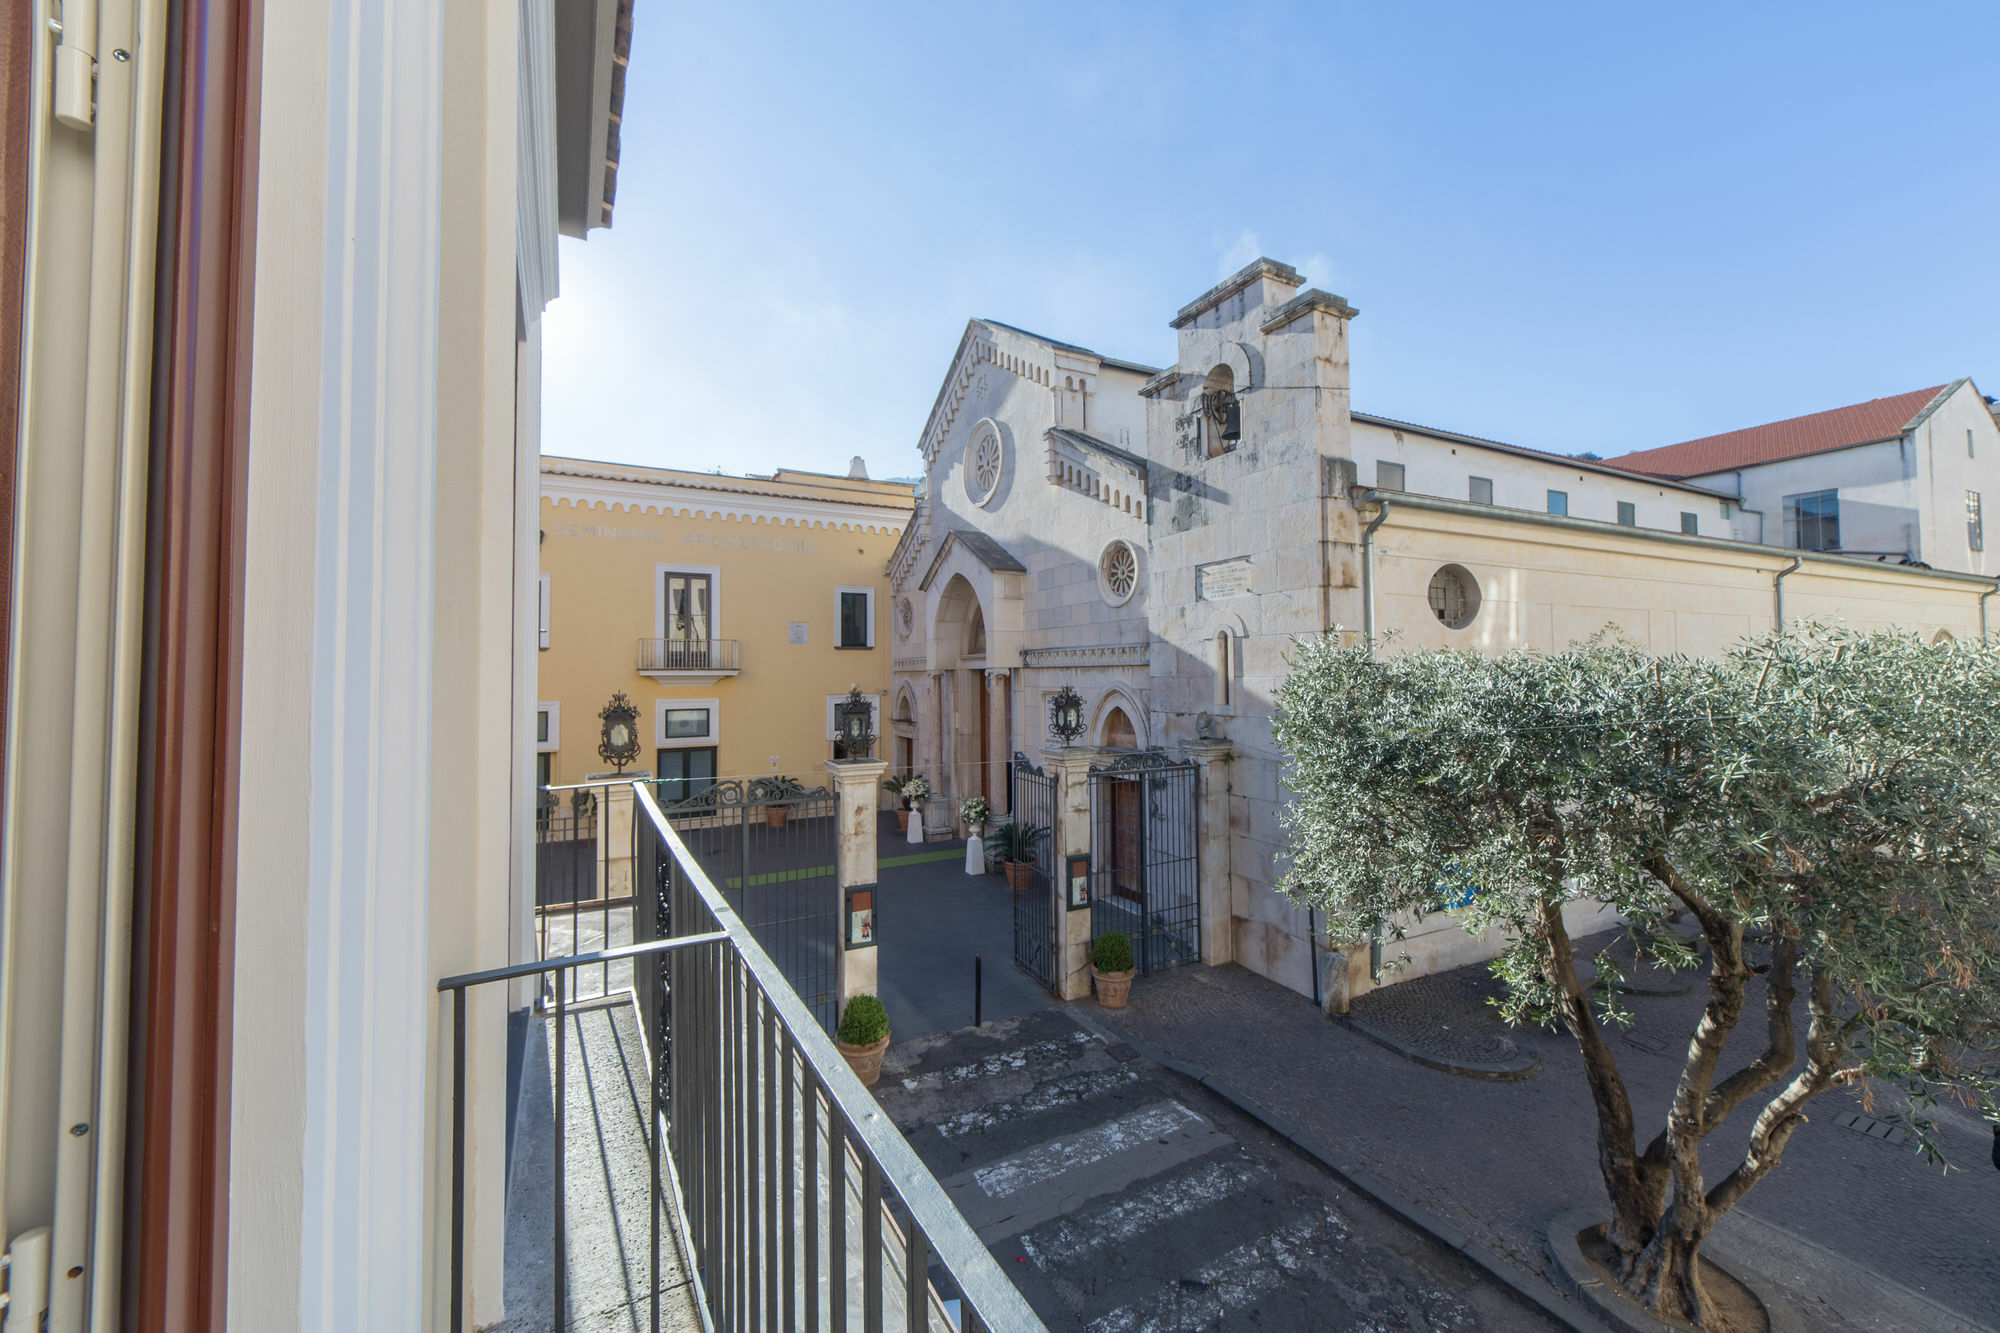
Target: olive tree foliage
column 1823, row 808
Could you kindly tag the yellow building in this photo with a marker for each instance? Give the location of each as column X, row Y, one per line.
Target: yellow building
column 733, row 611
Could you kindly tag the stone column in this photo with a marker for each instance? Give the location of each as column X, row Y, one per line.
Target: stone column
column 1218, row 930
column 1071, row 769
column 855, row 785
column 942, row 795
column 998, row 749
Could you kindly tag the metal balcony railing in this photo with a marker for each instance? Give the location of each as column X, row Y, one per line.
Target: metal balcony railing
column 797, row 1203
column 711, row 656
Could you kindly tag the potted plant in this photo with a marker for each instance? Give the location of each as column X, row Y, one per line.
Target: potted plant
column 777, row 793
column 896, row 785
column 1015, row 845
column 915, row 791
column 863, row 1035
column 974, row 811
column 1111, row 968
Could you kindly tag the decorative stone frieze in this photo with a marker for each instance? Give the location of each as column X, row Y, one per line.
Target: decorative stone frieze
column 1091, row 655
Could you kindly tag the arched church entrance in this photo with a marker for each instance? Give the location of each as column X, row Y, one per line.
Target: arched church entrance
column 975, row 702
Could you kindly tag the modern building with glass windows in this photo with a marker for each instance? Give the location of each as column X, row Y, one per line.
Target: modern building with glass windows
column 1882, row 480
column 732, row 611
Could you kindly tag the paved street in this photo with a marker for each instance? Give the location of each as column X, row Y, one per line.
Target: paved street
column 1123, row 1196
column 1855, row 1231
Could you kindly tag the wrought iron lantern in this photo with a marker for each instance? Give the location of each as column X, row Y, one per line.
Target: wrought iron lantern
column 857, row 725
column 1066, row 715
column 619, row 745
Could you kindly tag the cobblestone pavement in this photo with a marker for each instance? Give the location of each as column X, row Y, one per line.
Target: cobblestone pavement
column 1855, row 1231
column 1445, row 1015
column 1120, row 1195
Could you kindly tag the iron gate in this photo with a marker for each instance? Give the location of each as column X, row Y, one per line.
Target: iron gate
column 565, row 846
column 1145, row 880
column 1033, row 801
column 770, row 845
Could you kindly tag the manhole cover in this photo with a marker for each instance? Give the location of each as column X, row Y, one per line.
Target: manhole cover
column 1121, row 1052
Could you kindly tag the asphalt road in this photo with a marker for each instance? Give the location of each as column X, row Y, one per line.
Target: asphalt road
column 1121, row 1196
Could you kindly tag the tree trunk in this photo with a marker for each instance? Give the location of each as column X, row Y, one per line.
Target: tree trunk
column 1665, row 1277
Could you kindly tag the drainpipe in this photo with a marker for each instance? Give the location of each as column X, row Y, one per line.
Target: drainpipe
column 1982, row 609
column 1778, row 588
column 1368, row 569
column 1368, row 635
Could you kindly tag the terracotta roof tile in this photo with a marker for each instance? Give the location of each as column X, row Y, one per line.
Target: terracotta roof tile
column 1815, row 433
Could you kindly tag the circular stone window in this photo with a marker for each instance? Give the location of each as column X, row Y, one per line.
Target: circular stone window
column 1118, row 572
column 984, row 457
column 1454, row 596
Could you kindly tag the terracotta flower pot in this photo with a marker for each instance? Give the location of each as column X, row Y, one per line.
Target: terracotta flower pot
column 1112, row 987
column 776, row 815
column 1020, row 875
column 865, row 1061
column 903, row 821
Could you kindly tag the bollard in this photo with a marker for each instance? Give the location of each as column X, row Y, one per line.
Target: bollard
column 978, row 989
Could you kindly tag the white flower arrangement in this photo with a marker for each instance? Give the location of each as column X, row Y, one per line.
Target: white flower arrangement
column 916, row 788
column 974, row 810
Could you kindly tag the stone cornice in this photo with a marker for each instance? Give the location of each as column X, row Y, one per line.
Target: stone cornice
column 678, row 501
column 1284, row 274
column 1305, row 302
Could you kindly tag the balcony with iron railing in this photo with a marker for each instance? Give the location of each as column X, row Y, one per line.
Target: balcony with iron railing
column 689, row 661
column 693, row 1151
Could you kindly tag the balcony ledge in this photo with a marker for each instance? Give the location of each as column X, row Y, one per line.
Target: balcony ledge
column 690, row 677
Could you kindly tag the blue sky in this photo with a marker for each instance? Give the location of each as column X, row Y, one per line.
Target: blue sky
column 1568, row 226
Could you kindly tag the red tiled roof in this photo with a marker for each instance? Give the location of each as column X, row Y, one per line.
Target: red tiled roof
column 1815, row 433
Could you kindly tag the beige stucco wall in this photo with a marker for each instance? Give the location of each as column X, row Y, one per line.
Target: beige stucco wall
column 774, row 562
column 1545, row 587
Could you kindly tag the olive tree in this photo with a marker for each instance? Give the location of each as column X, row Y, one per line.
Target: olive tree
column 1823, row 807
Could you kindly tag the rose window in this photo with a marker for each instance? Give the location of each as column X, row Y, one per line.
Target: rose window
column 1118, row 570
column 983, row 461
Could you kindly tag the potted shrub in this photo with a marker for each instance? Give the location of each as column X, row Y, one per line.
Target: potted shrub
column 863, row 1035
column 1111, row 968
column 896, row 784
column 1015, row 844
column 778, row 793
column 974, row 811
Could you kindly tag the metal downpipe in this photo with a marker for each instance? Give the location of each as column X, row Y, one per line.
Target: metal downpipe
column 1982, row 609
column 1368, row 568
column 1778, row 589
column 1368, row 636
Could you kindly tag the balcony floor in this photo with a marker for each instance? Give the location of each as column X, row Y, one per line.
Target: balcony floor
column 605, row 1164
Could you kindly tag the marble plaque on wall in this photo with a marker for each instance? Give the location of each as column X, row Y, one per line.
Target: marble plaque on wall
column 1224, row 578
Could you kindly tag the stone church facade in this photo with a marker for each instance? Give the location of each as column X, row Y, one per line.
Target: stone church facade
column 1157, row 538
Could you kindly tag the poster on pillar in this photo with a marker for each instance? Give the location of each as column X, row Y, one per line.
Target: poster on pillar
column 860, row 917
column 1078, row 879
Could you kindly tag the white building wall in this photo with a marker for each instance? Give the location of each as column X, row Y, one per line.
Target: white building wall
column 1901, row 496
column 1878, row 494
column 1444, row 468
column 1946, row 470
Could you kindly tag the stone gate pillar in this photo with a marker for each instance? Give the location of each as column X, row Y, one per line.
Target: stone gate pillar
column 857, row 784
column 1070, row 767
column 1211, row 814
column 614, row 833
